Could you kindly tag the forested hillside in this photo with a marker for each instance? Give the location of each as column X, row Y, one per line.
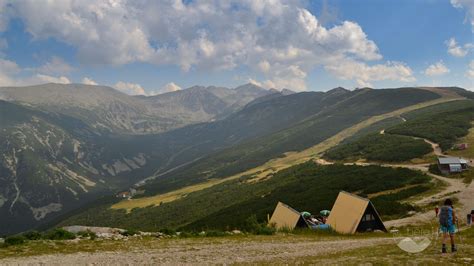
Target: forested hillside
column 308, row 187
column 402, row 138
column 380, row 147
column 307, row 132
column 443, row 128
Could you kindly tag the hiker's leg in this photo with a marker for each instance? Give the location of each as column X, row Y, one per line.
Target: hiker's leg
column 452, row 231
column 443, row 241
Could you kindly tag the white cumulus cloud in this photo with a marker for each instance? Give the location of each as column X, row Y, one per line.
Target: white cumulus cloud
column 364, row 74
column 170, row 87
column 436, row 69
column 7, row 70
column 280, row 38
column 470, row 70
column 50, row 79
column 55, row 65
column 456, row 50
column 130, row 88
column 88, row 81
column 10, row 76
column 468, row 5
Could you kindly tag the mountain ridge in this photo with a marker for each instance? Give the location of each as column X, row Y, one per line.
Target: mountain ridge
column 263, row 129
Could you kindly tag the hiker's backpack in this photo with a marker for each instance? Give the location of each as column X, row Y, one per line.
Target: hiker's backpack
column 445, row 216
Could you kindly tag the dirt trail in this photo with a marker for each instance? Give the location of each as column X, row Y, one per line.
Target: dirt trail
column 466, row 193
column 463, row 192
column 206, row 251
column 436, row 149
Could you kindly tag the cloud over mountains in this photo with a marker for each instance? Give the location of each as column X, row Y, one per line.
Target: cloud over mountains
column 281, row 40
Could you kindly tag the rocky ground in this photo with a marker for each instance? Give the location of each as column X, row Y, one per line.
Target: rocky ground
column 206, row 251
column 280, row 249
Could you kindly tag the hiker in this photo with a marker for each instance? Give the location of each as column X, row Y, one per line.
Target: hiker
column 447, row 221
column 314, row 220
column 436, row 211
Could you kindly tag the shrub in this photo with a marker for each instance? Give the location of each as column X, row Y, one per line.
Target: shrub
column 215, row 233
column 378, row 147
column 444, row 128
column 60, row 234
column 251, row 225
column 14, row 240
column 265, row 230
column 87, row 233
column 434, row 169
column 188, row 234
column 168, row 231
column 32, row 235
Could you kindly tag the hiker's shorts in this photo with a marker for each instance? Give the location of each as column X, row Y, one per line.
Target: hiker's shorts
column 451, row 229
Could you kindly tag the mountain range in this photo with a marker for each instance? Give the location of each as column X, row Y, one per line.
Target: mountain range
column 64, row 146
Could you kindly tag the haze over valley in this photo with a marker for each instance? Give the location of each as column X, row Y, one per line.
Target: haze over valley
column 221, row 132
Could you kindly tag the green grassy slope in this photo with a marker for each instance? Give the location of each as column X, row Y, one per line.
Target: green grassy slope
column 304, row 134
column 306, row 187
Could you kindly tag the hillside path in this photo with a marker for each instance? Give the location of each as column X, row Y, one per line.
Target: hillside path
column 465, row 193
column 207, row 251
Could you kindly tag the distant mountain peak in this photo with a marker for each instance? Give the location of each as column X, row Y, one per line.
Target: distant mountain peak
column 338, row 90
column 287, row 92
column 249, row 87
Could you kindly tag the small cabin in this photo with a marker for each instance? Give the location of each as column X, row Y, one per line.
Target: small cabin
column 460, row 146
column 451, row 165
column 123, row 195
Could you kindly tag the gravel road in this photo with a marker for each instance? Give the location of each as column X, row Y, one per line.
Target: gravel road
column 206, row 251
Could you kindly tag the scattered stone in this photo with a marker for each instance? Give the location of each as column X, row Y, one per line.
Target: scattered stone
column 97, row 230
column 2, row 240
column 236, row 232
column 74, row 241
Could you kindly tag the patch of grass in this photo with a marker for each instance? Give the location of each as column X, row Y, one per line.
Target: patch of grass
column 466, row 176
column 216, row 233
column 390, row 254
column 469, row 139
column 390, row 205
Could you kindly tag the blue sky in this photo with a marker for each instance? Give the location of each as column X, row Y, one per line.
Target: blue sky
column 149, row 47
